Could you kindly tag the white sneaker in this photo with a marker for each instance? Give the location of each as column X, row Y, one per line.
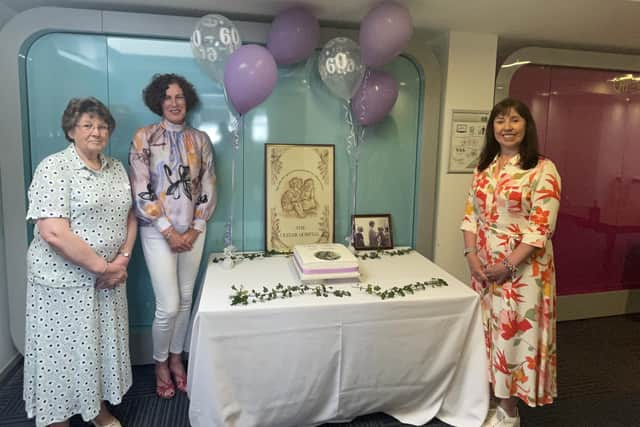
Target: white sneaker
column 504, row 420
column 491, row 419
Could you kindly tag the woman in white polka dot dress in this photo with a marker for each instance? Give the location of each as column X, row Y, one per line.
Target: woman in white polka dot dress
column 77, row 332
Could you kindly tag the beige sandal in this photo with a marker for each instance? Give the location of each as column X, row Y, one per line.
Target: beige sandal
column 113, row 423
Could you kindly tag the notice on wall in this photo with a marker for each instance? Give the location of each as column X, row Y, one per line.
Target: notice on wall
column 467, row 139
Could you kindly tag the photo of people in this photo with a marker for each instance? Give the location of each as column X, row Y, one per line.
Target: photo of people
column 372, row 231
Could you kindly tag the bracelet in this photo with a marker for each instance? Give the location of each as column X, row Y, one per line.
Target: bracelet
column 106, row 265
column 468, row 251
column 512, row 269
column 167, row 234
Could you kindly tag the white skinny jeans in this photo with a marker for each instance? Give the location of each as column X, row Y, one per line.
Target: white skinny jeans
column 173, row 277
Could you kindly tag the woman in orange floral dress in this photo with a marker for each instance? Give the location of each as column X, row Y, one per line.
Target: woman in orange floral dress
column 510, row 216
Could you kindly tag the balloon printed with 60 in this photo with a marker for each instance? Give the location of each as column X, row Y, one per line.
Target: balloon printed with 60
column 213, row 40
column 341, row 67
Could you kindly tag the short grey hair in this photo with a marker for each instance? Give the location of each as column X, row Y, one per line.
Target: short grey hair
column 79, row 106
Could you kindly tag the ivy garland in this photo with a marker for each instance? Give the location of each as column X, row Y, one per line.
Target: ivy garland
column 246, row 255
column 365, row 255
column 242, row 296
column 404, row 290
column 378, row 254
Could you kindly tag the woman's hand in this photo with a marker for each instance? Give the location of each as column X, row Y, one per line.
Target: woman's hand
column 191, row 235
column 476, row 268
column 497, row 273
column 114, row 275
column 176, row 241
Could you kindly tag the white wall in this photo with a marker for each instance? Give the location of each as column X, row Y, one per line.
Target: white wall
column 7, row 350
column 469, row 63
column 6, row 13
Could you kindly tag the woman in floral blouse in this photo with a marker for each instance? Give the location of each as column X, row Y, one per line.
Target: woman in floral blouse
column 510, row 216
column 173, row 184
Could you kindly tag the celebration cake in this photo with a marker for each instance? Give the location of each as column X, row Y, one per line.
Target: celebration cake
column 324, row 261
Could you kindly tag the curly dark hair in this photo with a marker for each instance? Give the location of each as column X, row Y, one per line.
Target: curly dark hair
column 529, row 153
column 79, row 106
column 153, row 95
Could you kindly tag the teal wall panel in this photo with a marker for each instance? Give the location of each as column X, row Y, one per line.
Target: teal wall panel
column 131, row 63
column 60, row 67
column 300, row 111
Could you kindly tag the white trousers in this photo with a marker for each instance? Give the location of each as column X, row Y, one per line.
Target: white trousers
column 173, row 277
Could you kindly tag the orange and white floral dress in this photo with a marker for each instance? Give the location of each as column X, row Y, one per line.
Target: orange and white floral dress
column 505, row 207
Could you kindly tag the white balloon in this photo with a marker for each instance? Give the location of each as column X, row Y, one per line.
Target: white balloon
column 213, row 40
column 341, row 67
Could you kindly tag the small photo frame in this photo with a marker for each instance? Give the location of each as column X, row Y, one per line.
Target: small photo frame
column 372, row 231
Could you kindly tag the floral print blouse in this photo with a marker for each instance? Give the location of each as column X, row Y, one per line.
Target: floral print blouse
column 172, row 176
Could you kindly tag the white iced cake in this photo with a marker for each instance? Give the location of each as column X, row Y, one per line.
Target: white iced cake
column 324, row 261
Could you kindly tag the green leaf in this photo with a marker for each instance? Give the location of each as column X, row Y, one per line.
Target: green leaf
column 530, row 314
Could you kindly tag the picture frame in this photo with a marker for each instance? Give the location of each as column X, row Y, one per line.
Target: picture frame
column 372, row 231
column 299, row 195
column 468, row 128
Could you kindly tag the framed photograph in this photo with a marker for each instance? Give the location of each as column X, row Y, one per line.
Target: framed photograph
column 299, row 195
column 372, row 231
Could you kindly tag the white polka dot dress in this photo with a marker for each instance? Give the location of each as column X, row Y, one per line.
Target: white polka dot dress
column 77, row 337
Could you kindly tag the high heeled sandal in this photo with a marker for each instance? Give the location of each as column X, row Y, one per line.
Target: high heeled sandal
column 165, row 389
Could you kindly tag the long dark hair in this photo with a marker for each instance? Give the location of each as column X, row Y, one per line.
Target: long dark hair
column 528, row 147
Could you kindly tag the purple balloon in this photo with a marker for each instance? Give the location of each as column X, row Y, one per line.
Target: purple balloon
column 250, row 75
column 374, row 98
column 384, row 33
column 293, row 35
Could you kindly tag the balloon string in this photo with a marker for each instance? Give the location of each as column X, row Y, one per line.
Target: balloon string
column 235, row 125
column 353, row 149
column 363, row 101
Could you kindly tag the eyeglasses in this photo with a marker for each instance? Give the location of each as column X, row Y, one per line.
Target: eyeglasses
column 89, row 127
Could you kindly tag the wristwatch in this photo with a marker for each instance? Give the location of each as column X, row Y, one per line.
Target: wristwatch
column 467, row 251
column 124, row 254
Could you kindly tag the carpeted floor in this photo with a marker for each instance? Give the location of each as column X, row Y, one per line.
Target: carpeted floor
column 598, row 374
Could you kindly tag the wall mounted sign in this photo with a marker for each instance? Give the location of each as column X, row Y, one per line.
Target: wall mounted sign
column 468, row 129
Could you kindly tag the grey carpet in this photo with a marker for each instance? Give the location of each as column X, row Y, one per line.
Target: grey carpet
column 598, row 373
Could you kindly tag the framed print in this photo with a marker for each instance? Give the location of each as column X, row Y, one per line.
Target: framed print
column 372, row 231
column 467, row 139
column 299, row 195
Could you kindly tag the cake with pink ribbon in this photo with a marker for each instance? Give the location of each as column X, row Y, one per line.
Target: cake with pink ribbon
column 324, row 261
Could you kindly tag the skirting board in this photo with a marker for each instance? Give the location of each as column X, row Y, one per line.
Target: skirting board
column 598, row 304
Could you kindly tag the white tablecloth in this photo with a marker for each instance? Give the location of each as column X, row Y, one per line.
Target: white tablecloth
column 309, row 360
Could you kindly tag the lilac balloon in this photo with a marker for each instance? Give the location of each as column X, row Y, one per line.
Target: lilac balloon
column 374, row 98
column 293, row 36
column 384, row 33
column 250, row 75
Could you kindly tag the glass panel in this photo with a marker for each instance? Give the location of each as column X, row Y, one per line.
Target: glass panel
column 590, row 128
column 81, row 56
column 300, row 111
